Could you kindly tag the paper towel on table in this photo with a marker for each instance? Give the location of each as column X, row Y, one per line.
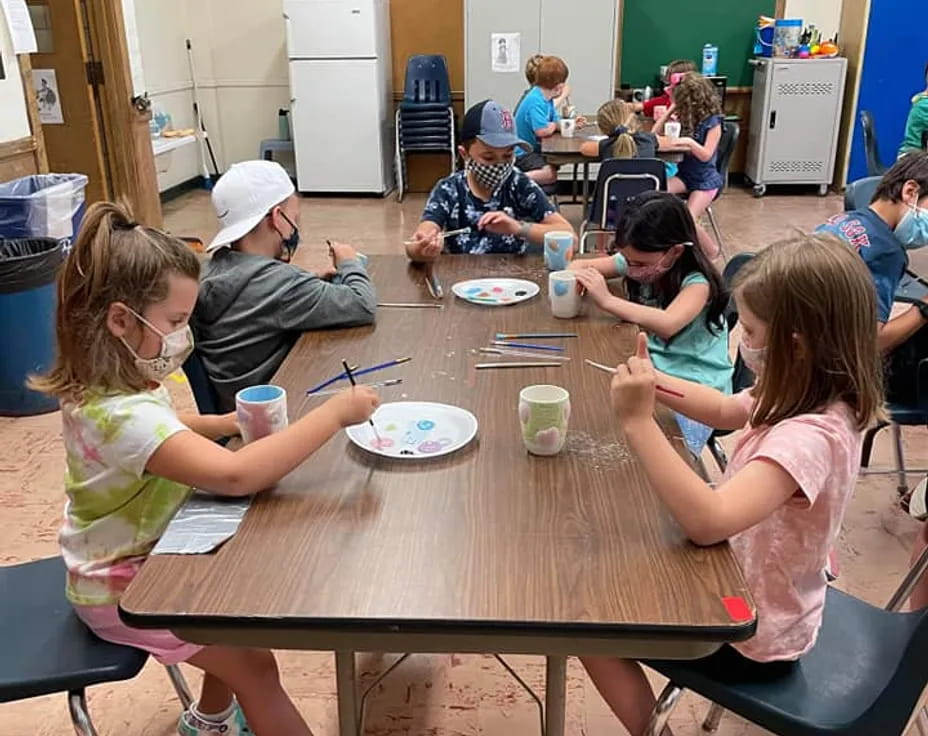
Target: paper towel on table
column 203, row 523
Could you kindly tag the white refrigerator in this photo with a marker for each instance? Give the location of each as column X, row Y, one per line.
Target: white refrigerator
column 341, row 94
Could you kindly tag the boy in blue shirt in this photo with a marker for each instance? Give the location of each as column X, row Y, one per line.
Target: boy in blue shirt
column 537, row 117
column 502, row 208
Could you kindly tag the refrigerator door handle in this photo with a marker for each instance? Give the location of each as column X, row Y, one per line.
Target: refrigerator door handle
column 773, row 119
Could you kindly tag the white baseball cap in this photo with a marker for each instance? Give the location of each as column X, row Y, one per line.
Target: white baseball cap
column 244, row 195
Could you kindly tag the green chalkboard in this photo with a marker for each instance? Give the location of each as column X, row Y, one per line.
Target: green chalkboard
column 657, row 31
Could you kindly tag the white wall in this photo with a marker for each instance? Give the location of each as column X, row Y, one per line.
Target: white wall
column 823, row 14
column 14, row 119
column 241, row 69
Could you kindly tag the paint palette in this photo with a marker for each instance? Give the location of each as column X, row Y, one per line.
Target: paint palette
column 495, row 292
column 415, row 430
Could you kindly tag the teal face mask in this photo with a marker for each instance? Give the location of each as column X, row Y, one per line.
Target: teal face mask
column 912, row 230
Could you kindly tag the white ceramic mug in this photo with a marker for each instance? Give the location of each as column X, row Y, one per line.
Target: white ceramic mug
column 260, row 411
column 568, row 126
column 544, row 412
column 672, row 129
column 564, row 294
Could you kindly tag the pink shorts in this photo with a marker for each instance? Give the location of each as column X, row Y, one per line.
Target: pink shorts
column 104, row 621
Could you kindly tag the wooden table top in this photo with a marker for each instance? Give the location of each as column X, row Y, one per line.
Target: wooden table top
column 559, row 146
column 490, row 538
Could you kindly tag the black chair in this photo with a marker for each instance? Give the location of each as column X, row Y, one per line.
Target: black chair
column 731, row 132
column 47, row 649
column 742, row 377
column 619, row 180
column 863, row 677
column 425, row 117
column 875, row 165
column 204, row 393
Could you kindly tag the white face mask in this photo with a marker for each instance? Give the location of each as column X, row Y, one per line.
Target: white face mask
column 754, row 358
column 175, row 349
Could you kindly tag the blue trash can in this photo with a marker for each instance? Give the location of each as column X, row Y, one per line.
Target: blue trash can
column 28, row 268
column 42, row 206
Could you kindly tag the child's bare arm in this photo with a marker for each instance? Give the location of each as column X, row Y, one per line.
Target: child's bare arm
column 211, row 426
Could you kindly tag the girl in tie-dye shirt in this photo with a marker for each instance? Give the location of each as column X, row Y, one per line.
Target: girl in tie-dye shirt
column 125, row 295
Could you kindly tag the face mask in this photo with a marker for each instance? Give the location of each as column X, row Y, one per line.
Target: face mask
column 652, row 272
column 754, row 358
column 175, row 349
column 912, row 231
column 289, row 244
column 488, row 176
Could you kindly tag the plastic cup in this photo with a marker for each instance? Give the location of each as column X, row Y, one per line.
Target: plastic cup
column 559, row 246
column 672, row 129
column 564, row 294
column 544, row 412
column 260, row 411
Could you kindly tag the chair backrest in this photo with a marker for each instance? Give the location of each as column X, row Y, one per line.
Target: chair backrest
column 731, row 131
column 859, row 193
column 742, row 377
column 427, row 80
column 875, row 165
column 204, row 393
column 620, row 179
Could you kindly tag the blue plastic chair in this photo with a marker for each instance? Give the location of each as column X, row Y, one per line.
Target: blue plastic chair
column 875, row 166
column 427, row 82
column 47, row 649
column 863, row 677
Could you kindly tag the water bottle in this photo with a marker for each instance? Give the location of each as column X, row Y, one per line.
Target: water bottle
column 710, row 60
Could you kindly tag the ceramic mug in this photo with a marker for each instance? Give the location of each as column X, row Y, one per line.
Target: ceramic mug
column 564, row 294
column 568, row 126
column 544, row 412
column 559, row 249
column 672, row 129
column 260, row 411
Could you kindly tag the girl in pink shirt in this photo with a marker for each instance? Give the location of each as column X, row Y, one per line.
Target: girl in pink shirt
column 806, row 307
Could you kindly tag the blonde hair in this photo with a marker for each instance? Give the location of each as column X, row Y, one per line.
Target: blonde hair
column 816, row 290
column 550, row 72
column 114, row 259
column 617, row 113
column 531, row 68
column 696, row 99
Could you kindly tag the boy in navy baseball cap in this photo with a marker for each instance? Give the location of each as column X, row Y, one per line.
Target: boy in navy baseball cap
column 502, row 209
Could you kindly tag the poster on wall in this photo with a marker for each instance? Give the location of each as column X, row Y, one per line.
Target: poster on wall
column 504, row 52
column 19, row 26
column 47, row 97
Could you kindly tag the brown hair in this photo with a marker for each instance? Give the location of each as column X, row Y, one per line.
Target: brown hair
column 679, row 66
column 551, row 72
column 612, row 115
column 531, row 68
column 912, row 166
column 114, row 259
column 695, row 99
column 816, row 288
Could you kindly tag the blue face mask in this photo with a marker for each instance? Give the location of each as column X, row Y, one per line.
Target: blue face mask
column 912, row 230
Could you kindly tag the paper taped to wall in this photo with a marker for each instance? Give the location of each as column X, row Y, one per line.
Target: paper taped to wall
column 47, row 96
column 20, row 26
column 504, row 52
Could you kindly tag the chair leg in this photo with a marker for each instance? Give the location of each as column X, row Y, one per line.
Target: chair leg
column 80, row 718
column 867, row 448
column 661, row 714
column 713, row 717
column 180, row 685
column 715, row 231
column 902, row 485
column 718, row 453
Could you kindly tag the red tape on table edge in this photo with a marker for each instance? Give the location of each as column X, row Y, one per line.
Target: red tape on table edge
column 737, row 607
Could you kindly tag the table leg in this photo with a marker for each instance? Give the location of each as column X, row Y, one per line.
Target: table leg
column 586, row 186
column 346, row 689
column 555, row 695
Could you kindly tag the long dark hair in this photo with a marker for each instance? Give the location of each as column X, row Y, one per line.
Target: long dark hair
column 654, row 222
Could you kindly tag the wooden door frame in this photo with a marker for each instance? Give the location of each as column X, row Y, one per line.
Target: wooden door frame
column 25, row 156
column 131, row 161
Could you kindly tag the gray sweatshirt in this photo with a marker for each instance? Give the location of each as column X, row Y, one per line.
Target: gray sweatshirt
column 251, row 310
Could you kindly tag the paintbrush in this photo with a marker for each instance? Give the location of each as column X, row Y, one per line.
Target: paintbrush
column 432, row 282
column 657, row 387
column 527, row 346
column 410, row 305
column 519, row 354
column 539, row 364
column 353, row 384
column 448, row 234
column 534, row 335
column 379, row 384
column 363, row 372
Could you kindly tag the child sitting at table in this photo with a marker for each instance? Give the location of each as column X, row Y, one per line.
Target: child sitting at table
column 537, row 117
column 125, row 295
column 675, row 71
column 674, row 294
column 806, row 307
column 501, row 209
column 696, row 105
column 624, row 138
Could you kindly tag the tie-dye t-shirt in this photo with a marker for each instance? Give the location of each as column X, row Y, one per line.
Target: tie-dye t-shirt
column 115, row 511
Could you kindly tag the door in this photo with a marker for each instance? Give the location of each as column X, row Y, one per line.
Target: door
column 331, row 28
column 74, row 145
column 338, row 148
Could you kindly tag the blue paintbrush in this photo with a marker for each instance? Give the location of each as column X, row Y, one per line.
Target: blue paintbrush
column 373, row 369
column 528, row 346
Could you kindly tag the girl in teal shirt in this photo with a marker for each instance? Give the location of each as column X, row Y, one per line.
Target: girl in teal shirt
column 674, row 293
column 916, row 126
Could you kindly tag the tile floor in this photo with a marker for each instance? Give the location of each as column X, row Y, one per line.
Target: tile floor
column 444, row 695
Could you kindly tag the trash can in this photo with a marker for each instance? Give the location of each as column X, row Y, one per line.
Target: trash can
column 28, row 268
column 42, row 206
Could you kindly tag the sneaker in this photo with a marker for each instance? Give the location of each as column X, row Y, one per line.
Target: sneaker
column 191, row 724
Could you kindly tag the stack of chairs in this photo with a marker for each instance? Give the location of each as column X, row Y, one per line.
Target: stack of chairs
column 425, row 117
